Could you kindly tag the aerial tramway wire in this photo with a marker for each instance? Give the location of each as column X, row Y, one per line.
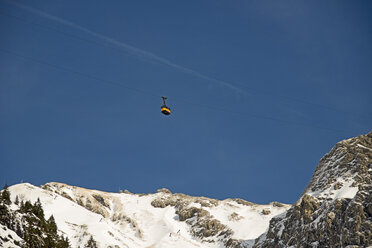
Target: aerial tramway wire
column 62, row 68
column 106, row 45
column 119, row 84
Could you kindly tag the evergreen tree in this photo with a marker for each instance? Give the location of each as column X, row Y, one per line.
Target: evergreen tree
column 26, row 207
column 91, row 243
column 4, row 214
column 63, row 243
column 38, row 210
column 35, row 230
column 5, row 195
column 51, row 225
column 16, row 200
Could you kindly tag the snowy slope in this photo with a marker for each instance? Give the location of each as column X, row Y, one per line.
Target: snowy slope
column 137, row 220
column 10, row 237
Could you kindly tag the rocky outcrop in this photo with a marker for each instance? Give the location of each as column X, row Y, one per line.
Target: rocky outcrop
column 196, row 212
column 202, row 223
column 335, row 208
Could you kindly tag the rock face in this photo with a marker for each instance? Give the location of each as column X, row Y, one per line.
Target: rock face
column 335, row 209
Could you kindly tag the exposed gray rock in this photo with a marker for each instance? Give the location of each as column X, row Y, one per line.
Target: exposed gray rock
column 101, row 200
column 164, row 190
column 335, row 209
column 235, row 217
column 277, row 204
column 244, row 202
column 265, row 212
column 203, row 225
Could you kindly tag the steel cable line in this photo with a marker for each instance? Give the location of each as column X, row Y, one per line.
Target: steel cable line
column 107, row 45
column 129, row 49
column 42, row 62
column 116, row 83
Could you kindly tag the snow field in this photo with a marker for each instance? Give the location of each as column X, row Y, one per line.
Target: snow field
column 129, row 220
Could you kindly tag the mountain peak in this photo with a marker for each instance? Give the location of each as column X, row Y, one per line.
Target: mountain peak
column 343, row 169
column 335, row 209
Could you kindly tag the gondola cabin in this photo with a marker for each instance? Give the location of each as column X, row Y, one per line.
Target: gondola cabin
column 164, row 109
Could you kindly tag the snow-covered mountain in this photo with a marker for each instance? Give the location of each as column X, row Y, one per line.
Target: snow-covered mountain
column 335, row 210
column 162, row 219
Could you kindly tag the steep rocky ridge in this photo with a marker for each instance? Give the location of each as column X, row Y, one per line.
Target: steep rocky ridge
column 335, row 209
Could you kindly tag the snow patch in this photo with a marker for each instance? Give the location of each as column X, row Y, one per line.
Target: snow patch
column 345, row 191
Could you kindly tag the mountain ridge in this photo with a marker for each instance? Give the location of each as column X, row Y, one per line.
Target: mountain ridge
column 148, row 220
column 335, row 210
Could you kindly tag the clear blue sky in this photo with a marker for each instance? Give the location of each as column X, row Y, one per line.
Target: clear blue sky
column 259, row 92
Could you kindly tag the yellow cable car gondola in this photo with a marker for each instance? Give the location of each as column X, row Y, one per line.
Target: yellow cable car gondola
column 164, row 109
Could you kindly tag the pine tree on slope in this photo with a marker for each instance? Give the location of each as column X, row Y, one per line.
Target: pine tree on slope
column 91, row 243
